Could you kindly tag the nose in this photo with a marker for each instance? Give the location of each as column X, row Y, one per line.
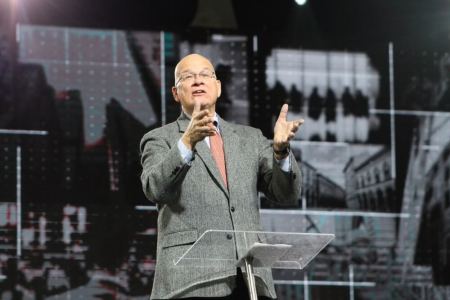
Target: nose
column 198, row 79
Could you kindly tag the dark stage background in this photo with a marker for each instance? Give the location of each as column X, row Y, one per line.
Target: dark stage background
column 80, row 83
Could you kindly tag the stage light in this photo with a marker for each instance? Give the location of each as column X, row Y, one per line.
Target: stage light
column 300, row 2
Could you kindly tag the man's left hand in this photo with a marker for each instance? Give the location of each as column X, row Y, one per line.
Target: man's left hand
column 284, row 131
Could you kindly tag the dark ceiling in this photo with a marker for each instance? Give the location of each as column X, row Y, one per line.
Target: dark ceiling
column 330, row 22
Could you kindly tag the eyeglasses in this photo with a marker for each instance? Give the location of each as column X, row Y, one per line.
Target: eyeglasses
column 189, row 77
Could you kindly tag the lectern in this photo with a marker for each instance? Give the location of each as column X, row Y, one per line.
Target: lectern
column 254, row 249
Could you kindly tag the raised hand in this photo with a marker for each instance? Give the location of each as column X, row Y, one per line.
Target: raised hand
column 201, row 125
column 284, row 131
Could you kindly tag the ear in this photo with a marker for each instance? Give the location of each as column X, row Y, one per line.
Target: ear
column 219, row 88
column 175, row 94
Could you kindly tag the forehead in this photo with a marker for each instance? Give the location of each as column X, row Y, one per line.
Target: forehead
column 194, row 63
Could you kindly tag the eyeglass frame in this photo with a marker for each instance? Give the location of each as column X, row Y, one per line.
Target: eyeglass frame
column 210, row 76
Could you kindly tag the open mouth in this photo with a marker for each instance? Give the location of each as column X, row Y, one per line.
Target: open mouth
column 198, row 92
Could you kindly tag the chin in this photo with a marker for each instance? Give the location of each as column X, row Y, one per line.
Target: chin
column 206, row 103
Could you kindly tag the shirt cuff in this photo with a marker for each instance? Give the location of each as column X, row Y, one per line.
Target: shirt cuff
column 285, row 163
column 186, row 154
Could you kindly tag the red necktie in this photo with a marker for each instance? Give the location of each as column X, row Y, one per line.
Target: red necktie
column 216, row 145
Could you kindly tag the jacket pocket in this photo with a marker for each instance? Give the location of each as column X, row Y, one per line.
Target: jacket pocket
column 179, row 238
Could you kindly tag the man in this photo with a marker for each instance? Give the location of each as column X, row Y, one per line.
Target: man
column 205, row 173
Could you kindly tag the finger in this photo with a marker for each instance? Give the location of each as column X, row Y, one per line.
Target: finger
column 200, row 114
column 283, row 112
column 206, row 130
column 197, row 106
column 299, row 122
column 206, row 127
column 296, row 124
column 206, row 120
column 212, row 126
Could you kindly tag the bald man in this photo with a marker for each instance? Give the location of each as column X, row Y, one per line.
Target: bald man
column 205, row 173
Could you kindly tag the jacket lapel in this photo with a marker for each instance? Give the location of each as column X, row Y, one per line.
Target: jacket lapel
column 204, row 153
column 232, row 154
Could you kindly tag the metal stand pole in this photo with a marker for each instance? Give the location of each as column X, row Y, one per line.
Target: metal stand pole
column 250, row 279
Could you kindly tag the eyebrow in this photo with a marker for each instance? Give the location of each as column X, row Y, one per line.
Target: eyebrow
column 190, row 71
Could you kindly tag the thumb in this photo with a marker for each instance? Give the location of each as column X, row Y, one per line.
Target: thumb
column 283, row 112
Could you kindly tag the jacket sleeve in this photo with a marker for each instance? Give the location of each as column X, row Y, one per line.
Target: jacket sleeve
column 278, row 186
column 163, row 168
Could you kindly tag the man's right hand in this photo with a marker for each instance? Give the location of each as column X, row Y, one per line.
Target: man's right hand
column 201, row 126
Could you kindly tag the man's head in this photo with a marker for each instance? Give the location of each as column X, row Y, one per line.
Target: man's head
column 195, row 81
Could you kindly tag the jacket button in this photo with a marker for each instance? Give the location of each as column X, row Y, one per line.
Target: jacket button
column 177, row 168
column 229, row 236
column 232, row 209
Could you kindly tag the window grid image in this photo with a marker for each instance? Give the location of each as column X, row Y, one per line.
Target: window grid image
column 375, row 163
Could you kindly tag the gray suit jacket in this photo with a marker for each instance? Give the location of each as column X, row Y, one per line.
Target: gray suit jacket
column 193, row 198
